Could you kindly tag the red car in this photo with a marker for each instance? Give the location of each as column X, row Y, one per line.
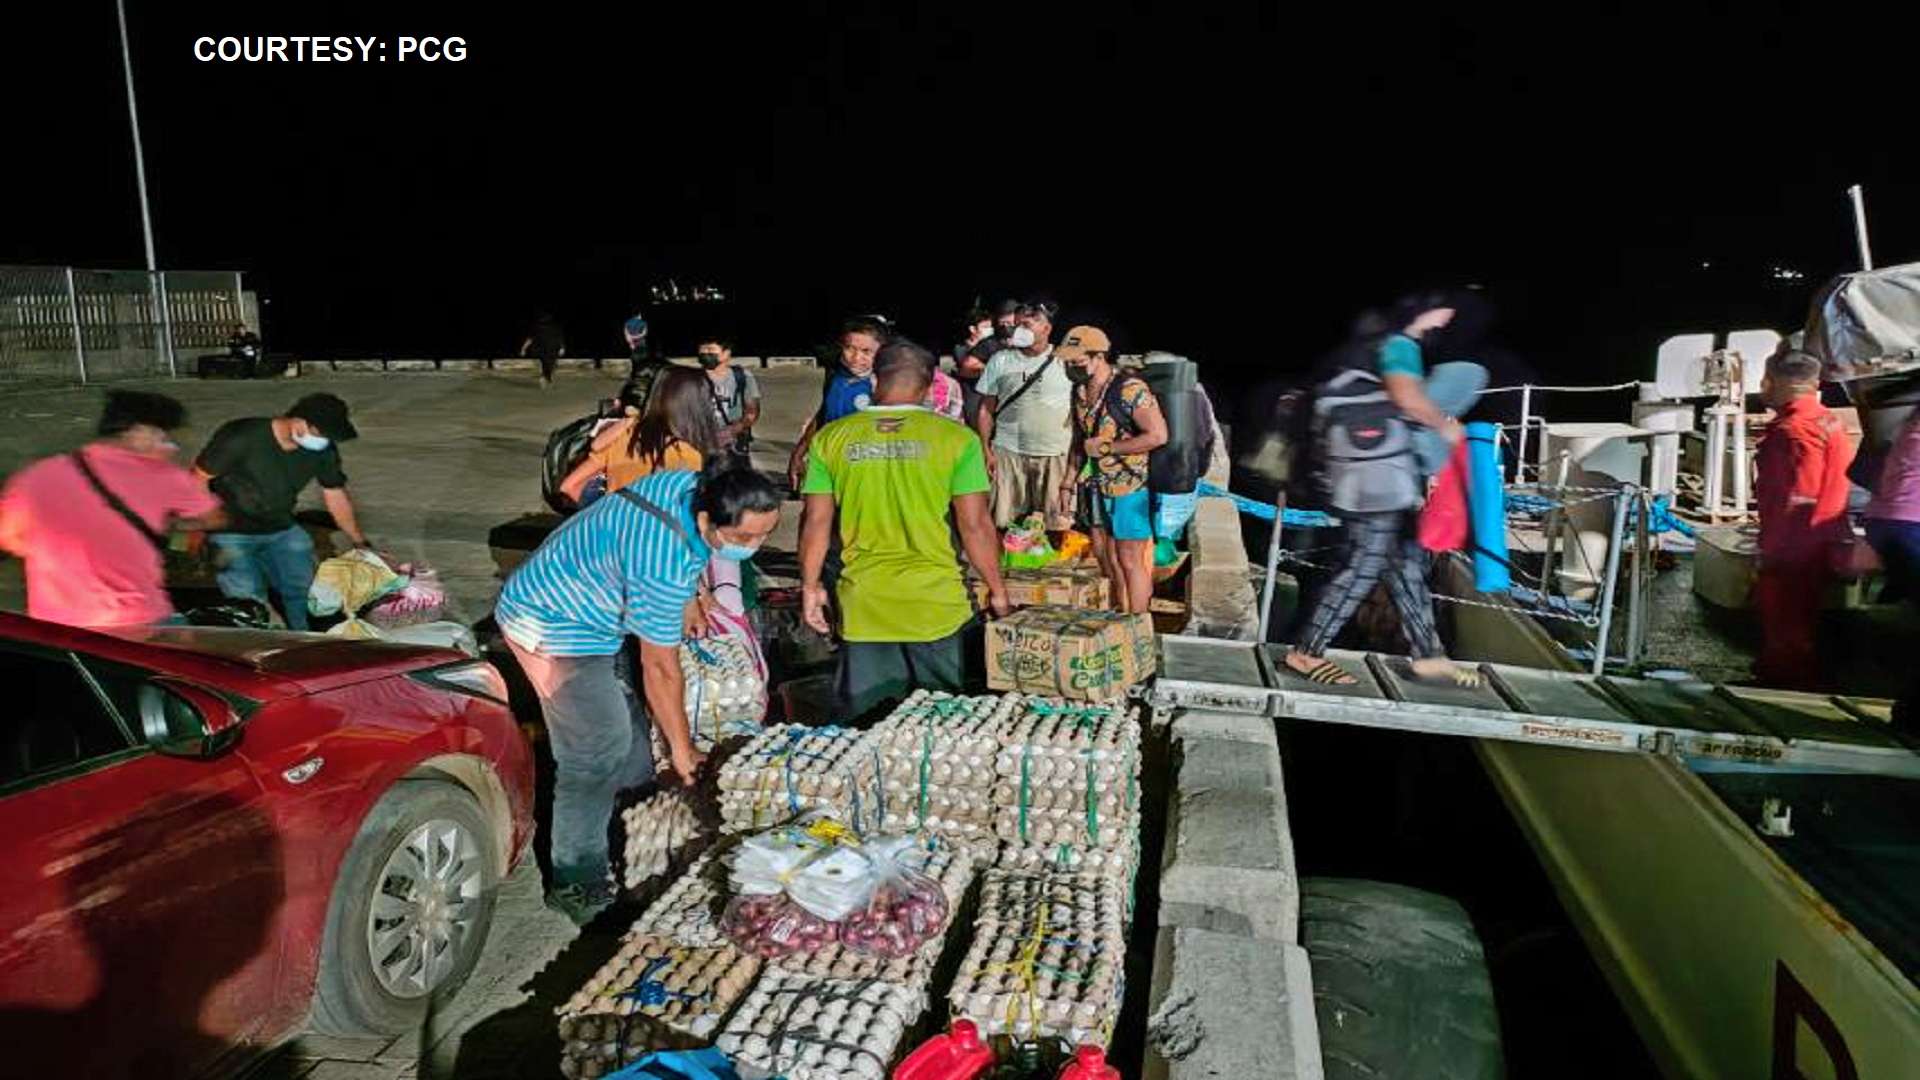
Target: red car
column 214, row 836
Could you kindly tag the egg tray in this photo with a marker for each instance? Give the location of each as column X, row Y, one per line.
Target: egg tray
column 1047, row 957
column 688, row 989
column 1071, row 725
column 1118, row 863
column 792, row 769
column 659, row 830
column 688, row 912
column 805, row 1028
column 598, row 1044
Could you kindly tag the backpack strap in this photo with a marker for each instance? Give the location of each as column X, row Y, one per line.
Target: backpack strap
column 672, row 523
column 158, row 540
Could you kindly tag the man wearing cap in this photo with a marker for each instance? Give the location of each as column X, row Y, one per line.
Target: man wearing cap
column 1025, row 399
column 1117, row 423
column 258, row 466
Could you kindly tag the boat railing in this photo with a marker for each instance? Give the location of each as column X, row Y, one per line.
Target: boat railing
column 1525, row 436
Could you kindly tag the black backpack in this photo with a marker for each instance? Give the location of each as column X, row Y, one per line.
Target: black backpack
column 567, row 447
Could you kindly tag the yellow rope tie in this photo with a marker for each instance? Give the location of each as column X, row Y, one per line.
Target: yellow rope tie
column 1023, row 966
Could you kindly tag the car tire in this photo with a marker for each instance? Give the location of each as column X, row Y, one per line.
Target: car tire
column 1400, row 984
column 410, row 911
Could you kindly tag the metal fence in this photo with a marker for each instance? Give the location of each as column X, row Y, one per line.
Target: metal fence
column 61, row 323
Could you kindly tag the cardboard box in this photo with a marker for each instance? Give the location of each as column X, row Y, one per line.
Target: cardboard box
column 1079, row 585
column 1070, row 653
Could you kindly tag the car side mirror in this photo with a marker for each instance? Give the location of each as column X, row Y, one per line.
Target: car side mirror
column 183, row 719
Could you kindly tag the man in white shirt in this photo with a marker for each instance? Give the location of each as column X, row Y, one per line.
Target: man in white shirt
column 1025, row 422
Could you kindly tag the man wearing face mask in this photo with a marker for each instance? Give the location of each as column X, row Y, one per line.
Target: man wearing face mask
column 848, row 388
column 258, row 466
column 92, row 525
column 736, row 397
column 629, row 565
column 987, row 333
column 1025, row 401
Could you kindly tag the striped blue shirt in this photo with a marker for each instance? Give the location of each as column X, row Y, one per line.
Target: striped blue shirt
column 611, row 570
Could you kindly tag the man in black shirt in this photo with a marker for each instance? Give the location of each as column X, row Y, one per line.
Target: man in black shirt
column 258, row 466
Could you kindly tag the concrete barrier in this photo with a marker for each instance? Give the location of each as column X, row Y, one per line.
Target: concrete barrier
column 1228, row 862
column 1226, row 1006
column 1220, row 597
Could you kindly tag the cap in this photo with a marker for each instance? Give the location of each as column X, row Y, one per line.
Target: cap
column 1082, row 340
column 326, row 412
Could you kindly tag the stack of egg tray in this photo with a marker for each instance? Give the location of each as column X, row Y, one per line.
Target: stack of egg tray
column 1067, row 773
column 654, row 994
column 790, row 770
column 1047, row 958
column 937, row 754
column 804, row 1028
column 658, row 830
column 688, row 913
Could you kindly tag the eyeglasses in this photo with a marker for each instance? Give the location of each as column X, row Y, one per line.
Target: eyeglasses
column 1043, row 311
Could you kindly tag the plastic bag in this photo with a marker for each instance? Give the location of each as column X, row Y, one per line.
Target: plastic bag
column 1025, row 545
column 905, row 909
column 420, row 600
column 814, row 862
column 1075, row 545
column 774, row 925
column 351, row 581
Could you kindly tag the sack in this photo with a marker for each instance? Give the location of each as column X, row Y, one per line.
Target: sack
column 1366, row 446
column 566, row 448
column 347, row 583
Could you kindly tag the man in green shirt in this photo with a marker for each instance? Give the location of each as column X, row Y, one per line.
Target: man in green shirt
column 892, row 474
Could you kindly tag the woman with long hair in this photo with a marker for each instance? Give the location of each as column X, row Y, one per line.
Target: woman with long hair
column 678, row 431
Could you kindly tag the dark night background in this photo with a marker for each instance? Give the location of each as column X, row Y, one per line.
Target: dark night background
column 1232, row 182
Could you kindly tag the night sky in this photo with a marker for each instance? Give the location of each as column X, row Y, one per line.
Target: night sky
column 1230, row 181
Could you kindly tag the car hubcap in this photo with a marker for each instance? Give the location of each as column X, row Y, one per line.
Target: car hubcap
column 421, row 922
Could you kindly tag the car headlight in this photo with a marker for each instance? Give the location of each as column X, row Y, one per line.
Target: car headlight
column 475, row 678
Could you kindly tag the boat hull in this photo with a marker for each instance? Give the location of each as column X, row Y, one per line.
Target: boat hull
column 1730, row 965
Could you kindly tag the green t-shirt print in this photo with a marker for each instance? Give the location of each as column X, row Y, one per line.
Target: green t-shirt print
column 893, row 471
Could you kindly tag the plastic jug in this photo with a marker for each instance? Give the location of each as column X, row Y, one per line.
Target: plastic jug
column 1089, row 1063
column 958, row 1055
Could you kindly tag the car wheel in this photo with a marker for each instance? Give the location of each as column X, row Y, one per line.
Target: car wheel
column 410, row 911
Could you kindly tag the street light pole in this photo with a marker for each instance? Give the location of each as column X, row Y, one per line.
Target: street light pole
column 155, row 286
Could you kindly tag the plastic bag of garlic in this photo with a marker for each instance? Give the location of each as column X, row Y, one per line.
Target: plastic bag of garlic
column 1068, row 773
column 792, row 769
column 820, row 1029
column 1047, row 957
column 653, row 995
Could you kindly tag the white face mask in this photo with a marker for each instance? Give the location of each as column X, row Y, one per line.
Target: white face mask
column 311, row 442
column 1021, row 338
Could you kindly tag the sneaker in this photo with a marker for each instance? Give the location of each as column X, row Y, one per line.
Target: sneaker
column 581, row 902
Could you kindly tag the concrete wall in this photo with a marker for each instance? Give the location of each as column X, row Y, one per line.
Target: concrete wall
column 1232, row 992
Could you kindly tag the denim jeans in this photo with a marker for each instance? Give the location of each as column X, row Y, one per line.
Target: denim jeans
column 598, row 730
column 250, row 561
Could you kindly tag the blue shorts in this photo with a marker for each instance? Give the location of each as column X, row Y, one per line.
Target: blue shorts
column 1128, row 517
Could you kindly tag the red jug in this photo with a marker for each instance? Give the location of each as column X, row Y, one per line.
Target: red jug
column 1089, row 1063
column 958, row 1055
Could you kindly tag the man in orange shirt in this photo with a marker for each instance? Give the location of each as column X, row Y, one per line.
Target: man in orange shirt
column 1802, row 494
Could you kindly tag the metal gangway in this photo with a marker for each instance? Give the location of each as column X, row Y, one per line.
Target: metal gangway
column 1703, row 724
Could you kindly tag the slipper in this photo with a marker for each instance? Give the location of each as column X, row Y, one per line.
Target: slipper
column 1326, row 673
column 1465, row 678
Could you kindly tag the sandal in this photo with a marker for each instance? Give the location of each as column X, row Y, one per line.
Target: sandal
column 1326, row 673
column 1465, row 678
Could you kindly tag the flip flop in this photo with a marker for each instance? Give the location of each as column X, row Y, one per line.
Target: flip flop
column 1326, row 673
column 1465, row 678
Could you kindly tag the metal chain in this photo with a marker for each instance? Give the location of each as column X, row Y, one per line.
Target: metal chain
column 1588, row 621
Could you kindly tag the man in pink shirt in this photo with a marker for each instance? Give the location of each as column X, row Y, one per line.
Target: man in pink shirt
column 92, row 524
